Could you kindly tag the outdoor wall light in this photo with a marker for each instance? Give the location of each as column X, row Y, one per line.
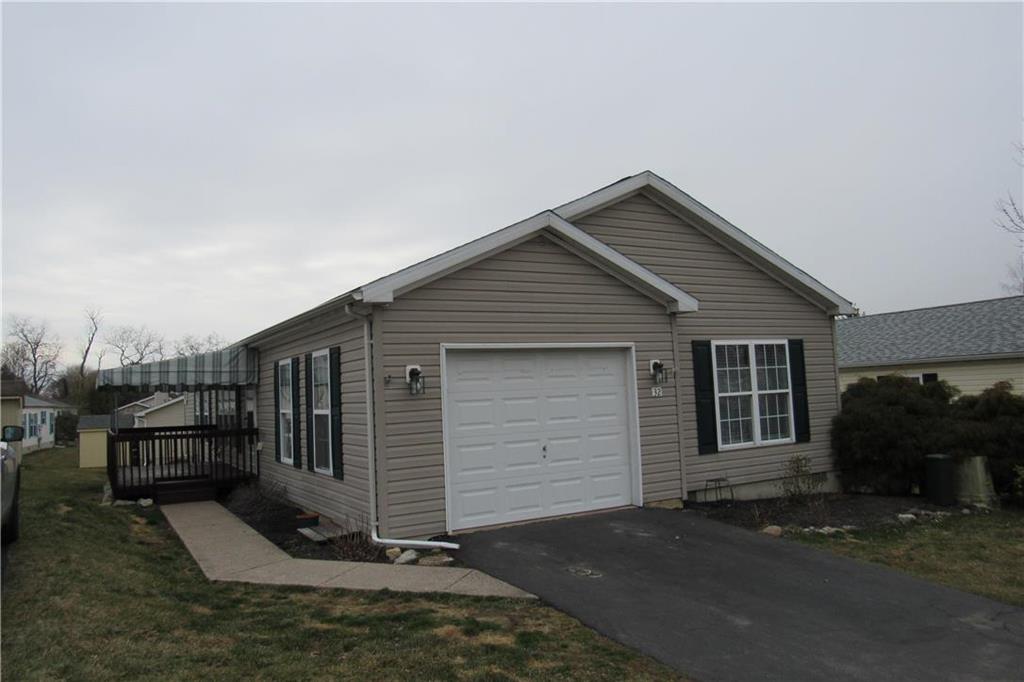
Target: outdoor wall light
column 414, row 377
column 658, row 372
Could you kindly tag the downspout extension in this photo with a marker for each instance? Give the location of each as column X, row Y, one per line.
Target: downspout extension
column 371, row 445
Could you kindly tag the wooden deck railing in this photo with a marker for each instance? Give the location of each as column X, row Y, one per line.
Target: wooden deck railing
column 139, row 459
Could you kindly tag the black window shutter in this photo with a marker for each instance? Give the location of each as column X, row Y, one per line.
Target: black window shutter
column 335, row 388
column 310, row 446
column 798, row 384
column 277, row 412
column 296, row 416
column 704, row 393
column 929, row 378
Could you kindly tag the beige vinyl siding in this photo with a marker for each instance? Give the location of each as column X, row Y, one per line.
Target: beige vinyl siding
column 345, row 501
column 534, row 292
column 737, row 301
column 169, row 415
column 92, row 448
column 970, row 377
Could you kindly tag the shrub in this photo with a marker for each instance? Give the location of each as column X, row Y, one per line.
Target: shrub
column 799, row 484
column 990, row 424
column 885, row 429
column 65, row 429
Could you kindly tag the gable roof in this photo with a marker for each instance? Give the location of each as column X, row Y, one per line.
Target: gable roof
column 557, row 223
column 160, row 406
column 676, row 200
column 386, row 288
column 89, row 422
column 37, row 401
column 962, row 331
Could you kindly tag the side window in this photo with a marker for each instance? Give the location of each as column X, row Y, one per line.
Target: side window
column 321, row 412
column 284, row 415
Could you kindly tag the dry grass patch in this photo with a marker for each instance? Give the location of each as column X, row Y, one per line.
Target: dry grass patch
column 123, row 598
column 979, row 553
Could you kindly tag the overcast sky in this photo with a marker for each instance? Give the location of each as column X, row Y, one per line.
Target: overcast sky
column 220, row 168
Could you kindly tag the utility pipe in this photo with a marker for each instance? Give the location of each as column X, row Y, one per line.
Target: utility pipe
column 371, row 449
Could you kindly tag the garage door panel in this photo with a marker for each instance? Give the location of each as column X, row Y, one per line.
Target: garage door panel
column 473, row 414
column 535, row 433
column 609, row 449
column 568, row 494
column 522, row 413
column 522, row 456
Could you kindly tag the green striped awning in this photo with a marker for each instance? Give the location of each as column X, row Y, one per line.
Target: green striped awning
column 228, row 368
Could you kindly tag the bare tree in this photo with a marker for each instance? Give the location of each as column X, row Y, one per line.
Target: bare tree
column 1014, row 282
column 194, row 345
column 93, row 319
column 31, row 352
column 135, row 345
column 1011, row 220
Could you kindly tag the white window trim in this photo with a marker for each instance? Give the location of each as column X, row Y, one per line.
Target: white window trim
column 290, row 458
column 755, row 406
column 330, row 431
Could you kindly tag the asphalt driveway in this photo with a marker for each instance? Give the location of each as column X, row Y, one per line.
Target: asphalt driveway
column 723, row 603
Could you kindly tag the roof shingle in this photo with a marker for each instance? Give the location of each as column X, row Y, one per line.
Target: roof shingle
column 980, row 328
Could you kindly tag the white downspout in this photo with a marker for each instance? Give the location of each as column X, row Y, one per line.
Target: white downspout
column 371, row 449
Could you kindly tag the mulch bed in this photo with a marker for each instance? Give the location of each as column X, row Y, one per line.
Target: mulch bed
column 277, row 520
column 837, row 510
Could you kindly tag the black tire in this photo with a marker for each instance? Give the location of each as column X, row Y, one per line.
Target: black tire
column 12, row 528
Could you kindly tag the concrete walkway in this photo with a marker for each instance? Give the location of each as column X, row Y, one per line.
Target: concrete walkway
column 226, row 548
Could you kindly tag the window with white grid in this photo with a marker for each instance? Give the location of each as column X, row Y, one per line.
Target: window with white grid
column 752, row 391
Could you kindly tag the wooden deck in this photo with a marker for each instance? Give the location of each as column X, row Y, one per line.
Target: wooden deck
column 140, row 459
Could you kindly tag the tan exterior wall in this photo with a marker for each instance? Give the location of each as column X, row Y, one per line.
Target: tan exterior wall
column 534, row 292
column 172, row 415
column 737, row 301
column 10, row 412
column 92, row 448
column 342, row 500
column 970, row 377
column 10, row 415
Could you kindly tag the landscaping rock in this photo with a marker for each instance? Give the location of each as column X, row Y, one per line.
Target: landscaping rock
column 906, row 518
column 407, row 557
column 435, row 560
column 393, row 552
column 123, row 503
column 773, row 531
column 145, row 502
column 965, row 510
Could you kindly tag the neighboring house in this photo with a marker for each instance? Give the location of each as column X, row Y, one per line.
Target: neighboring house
column 168, row 413
column 92, row 438
column 969, row 345
column 626, row 348
column 39, row 419
column 146, row 403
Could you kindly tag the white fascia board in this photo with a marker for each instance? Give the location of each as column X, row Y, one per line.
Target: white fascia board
column 384, row 290
column 681, row 302
column 160, row 406
column 631, row 185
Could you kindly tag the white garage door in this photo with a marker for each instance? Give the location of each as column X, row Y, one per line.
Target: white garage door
column 535, row 433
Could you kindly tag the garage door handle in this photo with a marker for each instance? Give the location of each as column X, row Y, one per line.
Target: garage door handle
column 544, row 448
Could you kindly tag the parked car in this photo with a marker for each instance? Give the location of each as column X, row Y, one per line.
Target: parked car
column 10, row 482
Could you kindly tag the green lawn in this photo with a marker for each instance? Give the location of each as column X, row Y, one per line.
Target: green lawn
column 980, row 553
column 92, row 592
